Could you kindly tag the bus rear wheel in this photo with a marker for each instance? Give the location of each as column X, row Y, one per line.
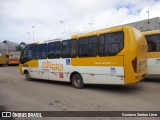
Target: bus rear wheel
column 28, row 77
column 77, row 81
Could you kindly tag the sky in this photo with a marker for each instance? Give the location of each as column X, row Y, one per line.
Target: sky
column 56, row 18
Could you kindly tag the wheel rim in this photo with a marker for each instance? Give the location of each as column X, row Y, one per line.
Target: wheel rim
column 77, row 82
column 27, row 76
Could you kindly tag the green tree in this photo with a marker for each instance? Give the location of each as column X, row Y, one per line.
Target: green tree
column 19, row 48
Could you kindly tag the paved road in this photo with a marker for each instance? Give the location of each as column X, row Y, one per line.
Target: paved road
column 17, row 94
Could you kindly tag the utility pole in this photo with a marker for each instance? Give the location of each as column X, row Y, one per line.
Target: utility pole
column 6, row 42
column 148, row 16
column 33, row 32
column 91, row 24
column 28, row 36
column 63, row 22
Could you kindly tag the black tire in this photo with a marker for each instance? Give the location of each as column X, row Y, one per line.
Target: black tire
column 27, row 76
column 77, row 81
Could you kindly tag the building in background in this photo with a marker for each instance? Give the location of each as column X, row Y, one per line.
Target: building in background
column 147, row 25
column 11, row 46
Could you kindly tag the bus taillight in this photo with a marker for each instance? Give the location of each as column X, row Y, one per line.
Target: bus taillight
column 134, row 64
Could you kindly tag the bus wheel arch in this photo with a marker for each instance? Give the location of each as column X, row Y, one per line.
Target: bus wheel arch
column 77, row 80
column 27, row 75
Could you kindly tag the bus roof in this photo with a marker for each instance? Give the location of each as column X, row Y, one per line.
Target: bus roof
column 98, row 32
column 86, row 34
column 152, row 32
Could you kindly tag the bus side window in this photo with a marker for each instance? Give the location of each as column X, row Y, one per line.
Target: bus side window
column 58, row 46
column 158, row 47
column 38, row 52
column 117, row 42
column 74, row 48
column 82, row 47
column 28, row 54
column 43, row 51
column 54, row 50
column 153, row 42
column 69, row 49
column 66, row 49
column 87, row 47
column 92, row 46
column 110, row 43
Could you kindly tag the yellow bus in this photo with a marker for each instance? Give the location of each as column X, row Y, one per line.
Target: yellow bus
column 153, row 40
column 116, row 56
column 2, row 58
column 13, row 58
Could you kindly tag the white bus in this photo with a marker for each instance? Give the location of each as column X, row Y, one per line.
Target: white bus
column 153, row 40
column 110, row 56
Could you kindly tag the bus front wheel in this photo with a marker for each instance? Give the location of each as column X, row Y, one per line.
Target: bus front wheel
column 77, row 81
column 28, row 77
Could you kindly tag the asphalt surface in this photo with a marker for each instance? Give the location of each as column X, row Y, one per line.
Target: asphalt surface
column 17, row 94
